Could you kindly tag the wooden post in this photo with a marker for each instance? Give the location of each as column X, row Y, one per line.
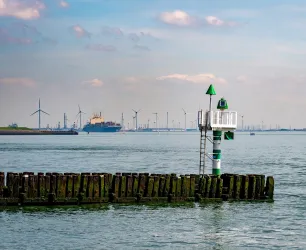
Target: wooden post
column 192, row 186
column 102, row 186
column 89, row 192
column 116, row 183
column 150, row 186
column 184, row 186
column 162, row 182
column 10, row 183
column 156, row 186
column 96, row 186
column 173, row 185
column 108, row 184
column 252, row 186
column 76, row 185
column 129, row 186
column 41, row 186
column 219, row 187
column 237, row 186
column 202, row 187
column 167, row 185
column 61, row 186
column 179, row 187
column 69, row 190
column 16, row 182
column 208, row 184
column 244, row 193
column 142, row 185
column 188, row 185
column 258, row 187
column 263, row 182
column 213, row 187
column 270, row 187
column 122, row 186
column 135, row 185
column 1, row 184
column 32, row 188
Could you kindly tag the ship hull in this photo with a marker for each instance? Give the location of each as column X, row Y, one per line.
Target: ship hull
column 101, row 129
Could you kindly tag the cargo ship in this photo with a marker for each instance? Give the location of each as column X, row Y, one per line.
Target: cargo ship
column 97, row 124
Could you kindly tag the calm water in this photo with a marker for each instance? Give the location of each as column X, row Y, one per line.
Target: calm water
column 236, row 225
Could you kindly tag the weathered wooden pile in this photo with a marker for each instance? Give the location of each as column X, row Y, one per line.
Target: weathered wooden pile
column 28, row 188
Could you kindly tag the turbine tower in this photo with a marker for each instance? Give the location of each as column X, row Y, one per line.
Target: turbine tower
column 38, row 111
column 80, row 114
column 242, row 122
column 155, row 119
column 185, row 114
column 136, row 116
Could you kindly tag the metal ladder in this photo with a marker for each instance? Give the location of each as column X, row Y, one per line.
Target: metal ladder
column 203, row 142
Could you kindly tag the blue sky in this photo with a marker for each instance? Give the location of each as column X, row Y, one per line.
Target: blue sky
column 158, row 55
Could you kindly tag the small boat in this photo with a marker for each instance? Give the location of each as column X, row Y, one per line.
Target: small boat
column 252, row 133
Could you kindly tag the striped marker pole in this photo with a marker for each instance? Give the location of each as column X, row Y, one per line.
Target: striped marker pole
column 216, row 167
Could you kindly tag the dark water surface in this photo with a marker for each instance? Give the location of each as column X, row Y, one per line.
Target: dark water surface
column 226, row 225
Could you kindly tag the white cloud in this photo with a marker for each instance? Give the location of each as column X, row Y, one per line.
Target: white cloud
column 18, row 81
column 64, row 4
column 79, row 32
column 200, row 78
column 212, row 20
column 26, row 10
column 183, row 19
column 94, row 82
column 178, row 18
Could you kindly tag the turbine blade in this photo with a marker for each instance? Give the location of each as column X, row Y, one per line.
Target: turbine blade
column 134, row 110
column 44, row 112
column 35, row 112
column 139, row 110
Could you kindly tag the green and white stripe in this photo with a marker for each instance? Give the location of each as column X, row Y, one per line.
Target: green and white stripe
column 216, row 167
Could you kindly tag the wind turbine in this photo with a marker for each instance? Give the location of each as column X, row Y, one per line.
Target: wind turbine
column 155, row 119
column 136, row 115
column 185, row 117
column 39, row 110
column 242, row 121
column 80, row 114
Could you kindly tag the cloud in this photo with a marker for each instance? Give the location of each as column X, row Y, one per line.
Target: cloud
column 178, row 18
column 141, row 47
column 7, row 38
column 112, row 31
column 101, row 47
column 94, row 82
column 79, row 32
column 200, row 78
column 63, row 4
column 18, row 81
column 19, row 33
column 183, row 19
column 27, row 10
column 134, row 37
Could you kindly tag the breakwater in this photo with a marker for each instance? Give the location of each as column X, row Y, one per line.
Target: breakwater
column 28, row 188
column 37, row 132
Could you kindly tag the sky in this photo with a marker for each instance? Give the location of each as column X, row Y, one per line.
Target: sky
column 160, row 56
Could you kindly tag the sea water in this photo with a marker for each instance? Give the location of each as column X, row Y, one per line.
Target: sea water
column 225, row 225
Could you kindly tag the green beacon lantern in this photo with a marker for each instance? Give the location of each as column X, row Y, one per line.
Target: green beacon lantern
column 222, row 104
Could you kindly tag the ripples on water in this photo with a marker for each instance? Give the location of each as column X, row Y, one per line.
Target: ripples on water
column 226, row 225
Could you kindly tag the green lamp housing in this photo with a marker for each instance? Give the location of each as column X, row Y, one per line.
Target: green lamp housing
column 222, row 104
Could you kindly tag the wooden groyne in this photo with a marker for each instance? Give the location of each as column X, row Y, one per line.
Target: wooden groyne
column 28, row 188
